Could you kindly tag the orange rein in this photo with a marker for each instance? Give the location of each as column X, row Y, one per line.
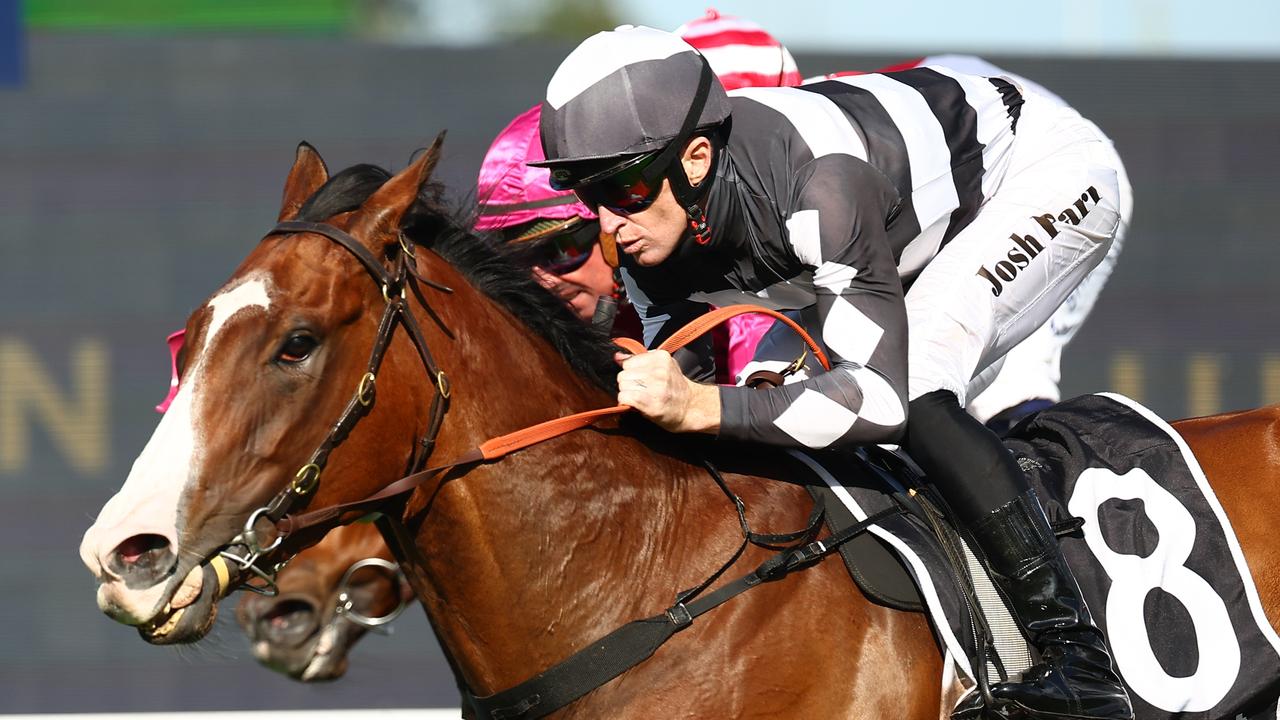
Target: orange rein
column 534, row 434
column 505, row 444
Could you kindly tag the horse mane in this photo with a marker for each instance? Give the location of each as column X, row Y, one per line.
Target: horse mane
column 492, row 267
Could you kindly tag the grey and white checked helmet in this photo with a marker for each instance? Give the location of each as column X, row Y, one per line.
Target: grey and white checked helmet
column 625, row 92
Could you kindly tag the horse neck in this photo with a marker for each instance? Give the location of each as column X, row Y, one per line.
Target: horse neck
column 528, row 557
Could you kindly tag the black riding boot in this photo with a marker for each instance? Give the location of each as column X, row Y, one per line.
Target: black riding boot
column 1075, row 678
column 974, row 472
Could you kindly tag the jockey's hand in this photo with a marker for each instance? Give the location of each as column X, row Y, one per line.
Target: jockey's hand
column 652, row 383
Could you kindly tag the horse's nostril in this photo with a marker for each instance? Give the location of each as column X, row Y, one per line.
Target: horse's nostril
column 289, row 621
column 142, row 560
column 137, row 547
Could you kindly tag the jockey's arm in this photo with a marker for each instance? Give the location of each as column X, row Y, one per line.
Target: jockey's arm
column 837, row 230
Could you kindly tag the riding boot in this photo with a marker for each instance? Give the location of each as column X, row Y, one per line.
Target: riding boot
column 1075, row 677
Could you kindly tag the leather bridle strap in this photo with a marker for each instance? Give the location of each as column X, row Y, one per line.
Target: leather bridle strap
column 703, row 323
column 505, row 444
column 320, row 521
column 396, row 312
column 355, row 247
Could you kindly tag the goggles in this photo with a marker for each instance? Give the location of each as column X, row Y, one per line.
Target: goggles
column 562, row 247
column 627, row 188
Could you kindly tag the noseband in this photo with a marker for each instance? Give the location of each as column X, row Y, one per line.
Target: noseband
column 306, row 480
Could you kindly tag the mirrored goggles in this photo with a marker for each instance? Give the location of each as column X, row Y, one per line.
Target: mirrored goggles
column 563, row 247
column 630, row 189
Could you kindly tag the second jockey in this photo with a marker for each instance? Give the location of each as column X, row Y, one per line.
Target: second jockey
column 993, row 202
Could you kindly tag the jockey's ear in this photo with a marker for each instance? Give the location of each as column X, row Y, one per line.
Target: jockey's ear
column 379, row 218
column 305, row 178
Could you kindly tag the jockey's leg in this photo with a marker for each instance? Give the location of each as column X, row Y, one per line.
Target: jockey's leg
column 1075, row 678
column 1049, row 223
column 1027, row 380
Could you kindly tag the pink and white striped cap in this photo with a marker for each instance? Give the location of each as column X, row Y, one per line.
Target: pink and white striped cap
column 741, row 53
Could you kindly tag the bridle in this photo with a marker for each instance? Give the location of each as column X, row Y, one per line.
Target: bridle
column 601, row 660
column 247, row 551
column 295, row 532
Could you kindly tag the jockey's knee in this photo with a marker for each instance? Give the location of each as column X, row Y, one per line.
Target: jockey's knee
column 961, row 457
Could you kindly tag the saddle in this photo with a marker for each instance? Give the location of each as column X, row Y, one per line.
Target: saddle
column 1157, row 562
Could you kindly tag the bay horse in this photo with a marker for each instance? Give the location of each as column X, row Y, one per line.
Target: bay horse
column 286, row 630
column 329, row 597
column 521, row 562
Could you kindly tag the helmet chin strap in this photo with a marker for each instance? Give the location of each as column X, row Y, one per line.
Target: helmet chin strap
column 691, row 196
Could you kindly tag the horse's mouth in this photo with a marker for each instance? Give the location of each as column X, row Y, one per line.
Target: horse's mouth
column 190, row 613
column 321, row 657
column 329, row 656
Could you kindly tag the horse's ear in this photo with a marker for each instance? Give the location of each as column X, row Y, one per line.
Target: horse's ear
column 305, row 178
column 382, row 213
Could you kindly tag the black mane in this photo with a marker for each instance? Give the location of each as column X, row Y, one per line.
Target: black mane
column 491, row 266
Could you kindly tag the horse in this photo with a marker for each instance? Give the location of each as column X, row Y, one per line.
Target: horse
column 522, row 562
column 285, row 631
column 517, row 563
column 330, row 595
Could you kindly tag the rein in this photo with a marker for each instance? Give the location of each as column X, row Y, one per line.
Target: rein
column 600, row 661
column 498, row 447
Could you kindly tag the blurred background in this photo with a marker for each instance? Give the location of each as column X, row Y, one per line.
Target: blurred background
column 143, row 148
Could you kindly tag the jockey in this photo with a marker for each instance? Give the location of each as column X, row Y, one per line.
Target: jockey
column 517, row 201
column 1026, row 379
column 991, row 201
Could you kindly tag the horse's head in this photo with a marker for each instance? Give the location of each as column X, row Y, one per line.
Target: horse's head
column 271, row 362
column 330, row 595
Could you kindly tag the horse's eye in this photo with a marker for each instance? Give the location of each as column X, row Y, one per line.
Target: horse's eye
column 297, row 348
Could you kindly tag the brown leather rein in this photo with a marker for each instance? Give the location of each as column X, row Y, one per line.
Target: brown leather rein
column 295, row 532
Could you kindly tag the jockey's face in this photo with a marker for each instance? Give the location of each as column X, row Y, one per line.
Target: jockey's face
column 582, row 287
column 651, row 235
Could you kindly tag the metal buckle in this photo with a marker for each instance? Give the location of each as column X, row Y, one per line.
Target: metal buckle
column 304, row 482
column 679, row 615
column 797, row 364
column 442, row 384
column 365, row 390
column 386, row 293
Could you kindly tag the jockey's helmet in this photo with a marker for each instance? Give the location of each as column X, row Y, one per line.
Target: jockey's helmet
column 741, row 53
column 627, row 101
column 517, row 200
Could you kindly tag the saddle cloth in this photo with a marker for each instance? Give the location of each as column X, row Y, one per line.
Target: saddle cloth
column 1158, row 563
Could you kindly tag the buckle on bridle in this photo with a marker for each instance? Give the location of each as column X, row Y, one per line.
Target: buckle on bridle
column 387, row 292
column 303, row 483
column 365, row 390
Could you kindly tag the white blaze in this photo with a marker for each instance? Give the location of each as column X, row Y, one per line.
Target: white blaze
column 148, row 501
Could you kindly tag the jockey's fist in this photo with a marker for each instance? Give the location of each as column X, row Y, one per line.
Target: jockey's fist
column 652, row 383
